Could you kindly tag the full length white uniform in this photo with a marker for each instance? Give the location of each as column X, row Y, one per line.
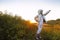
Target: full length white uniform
column 40, row 20
column 40, row 23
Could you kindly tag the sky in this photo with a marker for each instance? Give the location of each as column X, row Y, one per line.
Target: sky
column 28, row 9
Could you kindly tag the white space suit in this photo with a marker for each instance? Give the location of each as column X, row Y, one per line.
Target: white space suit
column 40, row 20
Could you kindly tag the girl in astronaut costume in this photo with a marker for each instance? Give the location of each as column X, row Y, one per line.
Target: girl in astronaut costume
column 40, row 19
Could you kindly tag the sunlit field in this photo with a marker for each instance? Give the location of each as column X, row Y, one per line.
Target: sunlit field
column 16, row 28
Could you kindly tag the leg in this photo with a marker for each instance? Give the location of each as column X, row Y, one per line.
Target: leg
column 39, row 31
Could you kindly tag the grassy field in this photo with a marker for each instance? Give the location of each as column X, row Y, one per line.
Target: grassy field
column 16, row 28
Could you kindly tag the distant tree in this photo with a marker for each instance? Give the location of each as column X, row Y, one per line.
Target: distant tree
column 51, row 22
column 58, row 21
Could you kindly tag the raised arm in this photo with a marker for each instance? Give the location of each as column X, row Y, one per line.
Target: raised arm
column 46, row 13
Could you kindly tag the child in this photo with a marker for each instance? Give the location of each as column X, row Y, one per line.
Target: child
column 40, row 19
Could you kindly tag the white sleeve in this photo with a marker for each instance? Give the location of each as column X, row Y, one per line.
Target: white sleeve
column 46, row 13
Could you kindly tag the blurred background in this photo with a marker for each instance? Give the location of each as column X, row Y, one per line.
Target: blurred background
column 17, row 19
